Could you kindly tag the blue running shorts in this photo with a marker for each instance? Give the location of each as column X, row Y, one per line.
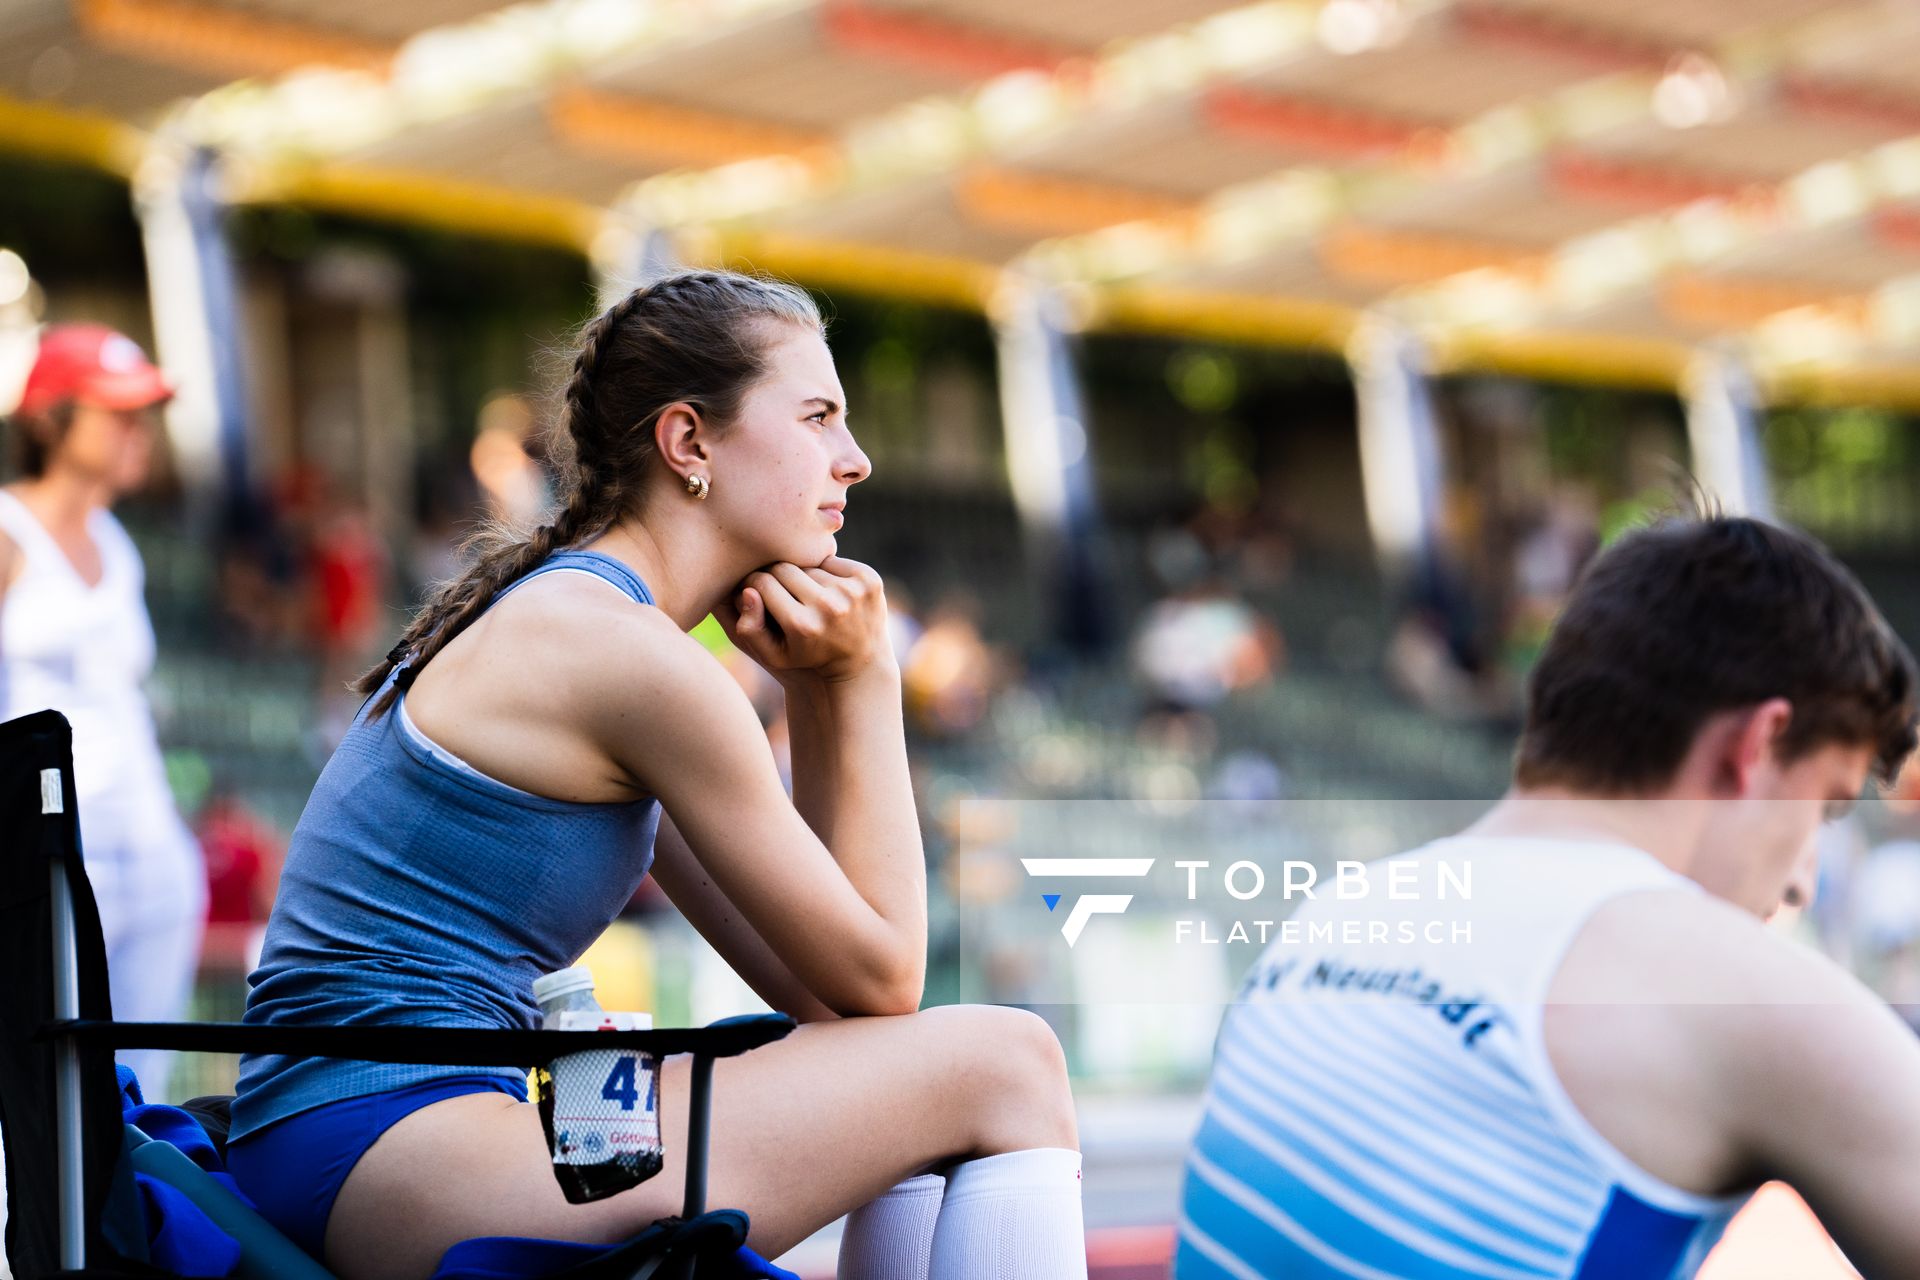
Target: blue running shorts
column 293, row 1169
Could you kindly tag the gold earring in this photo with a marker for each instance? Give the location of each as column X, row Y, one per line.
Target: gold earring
column 697, row 485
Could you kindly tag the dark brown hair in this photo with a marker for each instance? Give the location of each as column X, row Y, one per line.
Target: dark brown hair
column 695, row 337
column 37, row 435
column 1698, row 615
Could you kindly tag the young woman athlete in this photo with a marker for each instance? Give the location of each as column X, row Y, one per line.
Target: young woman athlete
column 544, row 734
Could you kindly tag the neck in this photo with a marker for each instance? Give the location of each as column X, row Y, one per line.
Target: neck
column 62, row 501
column 1667, row 827
column 685, row 565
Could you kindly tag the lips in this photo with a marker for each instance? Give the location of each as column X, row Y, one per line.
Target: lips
column 837, row 512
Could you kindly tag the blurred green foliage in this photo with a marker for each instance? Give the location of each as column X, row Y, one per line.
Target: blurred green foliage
column 1850, row 476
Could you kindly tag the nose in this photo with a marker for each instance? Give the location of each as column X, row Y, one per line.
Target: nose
column 1805, row 876
column 853, row 465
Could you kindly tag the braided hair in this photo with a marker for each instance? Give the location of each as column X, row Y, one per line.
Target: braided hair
column 694, row 337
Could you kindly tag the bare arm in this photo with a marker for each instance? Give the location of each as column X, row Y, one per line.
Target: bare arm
column 816, row 760
column 1718, row 1055
column 1826, row 1095
column 692, row 890
column 848, row 921
column 815, row 751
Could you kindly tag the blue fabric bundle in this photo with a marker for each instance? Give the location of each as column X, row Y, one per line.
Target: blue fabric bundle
column 184, row 1240
column 180, row 1237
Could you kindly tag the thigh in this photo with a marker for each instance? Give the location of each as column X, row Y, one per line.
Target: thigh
column 803, row 1131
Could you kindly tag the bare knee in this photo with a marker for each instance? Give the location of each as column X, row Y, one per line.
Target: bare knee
column 1013, row 1075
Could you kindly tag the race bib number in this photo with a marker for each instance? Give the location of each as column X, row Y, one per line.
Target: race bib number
column 606, row 1102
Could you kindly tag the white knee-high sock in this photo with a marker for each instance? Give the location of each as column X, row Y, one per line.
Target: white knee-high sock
column 1012, row 1217
column 891, row 1236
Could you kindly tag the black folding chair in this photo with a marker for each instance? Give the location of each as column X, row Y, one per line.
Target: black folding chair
column 69, row 1157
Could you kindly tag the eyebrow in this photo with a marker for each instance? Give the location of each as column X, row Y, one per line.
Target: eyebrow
column 832, row 407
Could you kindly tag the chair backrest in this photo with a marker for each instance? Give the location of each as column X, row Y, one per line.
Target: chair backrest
column 55, row 961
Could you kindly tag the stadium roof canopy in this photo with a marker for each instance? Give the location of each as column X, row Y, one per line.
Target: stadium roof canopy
column 1547, row 186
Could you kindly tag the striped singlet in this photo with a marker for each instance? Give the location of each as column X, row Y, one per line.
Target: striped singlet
column 1386, row 1109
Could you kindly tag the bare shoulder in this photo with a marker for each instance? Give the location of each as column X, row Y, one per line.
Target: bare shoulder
column 528, row 693
column 1666, row 1017
column 1677, row 946
column 575, row 628
column 627, row 677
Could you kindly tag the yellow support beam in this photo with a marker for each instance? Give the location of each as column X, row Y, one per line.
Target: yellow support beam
column 1229, row 317
column 1880, row 386
column 470, row 208
column 74, row 137
column 1606, row 359
column 936, row 279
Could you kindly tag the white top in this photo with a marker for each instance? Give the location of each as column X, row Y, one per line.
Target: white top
column 1382, row 1102
column 84, row 651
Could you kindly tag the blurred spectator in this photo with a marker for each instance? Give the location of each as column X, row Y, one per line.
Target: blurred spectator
column 513, row 483
column 1250, row 551
column 1547, row 559
column 258, row 580
column 243, row 853
column 950, row 673
column 347, row 571
column 1434, row 657
column 1197, row 647
column 75, row 636
column 349, row 581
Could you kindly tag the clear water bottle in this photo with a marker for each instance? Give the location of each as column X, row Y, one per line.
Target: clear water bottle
column 600, row 1108
column 564, row 991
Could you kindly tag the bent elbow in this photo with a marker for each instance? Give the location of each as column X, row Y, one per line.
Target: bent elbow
column 888, row 993
column 909, row 985
column 903, row 998
column 892, row 1004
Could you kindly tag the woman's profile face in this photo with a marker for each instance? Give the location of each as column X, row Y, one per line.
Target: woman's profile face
column 110, row 447
column 781, row 471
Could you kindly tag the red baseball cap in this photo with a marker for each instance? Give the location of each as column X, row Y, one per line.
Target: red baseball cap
column 95, row 365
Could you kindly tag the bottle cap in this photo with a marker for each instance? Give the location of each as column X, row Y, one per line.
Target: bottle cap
column 551, row 986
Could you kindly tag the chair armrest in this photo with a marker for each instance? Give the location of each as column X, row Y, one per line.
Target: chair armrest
column 421, row 1046
column 457, row 1046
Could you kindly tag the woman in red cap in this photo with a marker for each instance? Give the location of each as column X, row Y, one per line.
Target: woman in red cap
column 75, row 636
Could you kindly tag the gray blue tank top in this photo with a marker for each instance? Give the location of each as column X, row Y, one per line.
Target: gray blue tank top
column 421, row 892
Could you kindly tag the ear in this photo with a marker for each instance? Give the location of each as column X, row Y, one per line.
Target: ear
column 680, row 436
column 1749, row 747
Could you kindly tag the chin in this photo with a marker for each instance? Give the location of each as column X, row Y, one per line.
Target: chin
column 805, row 552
